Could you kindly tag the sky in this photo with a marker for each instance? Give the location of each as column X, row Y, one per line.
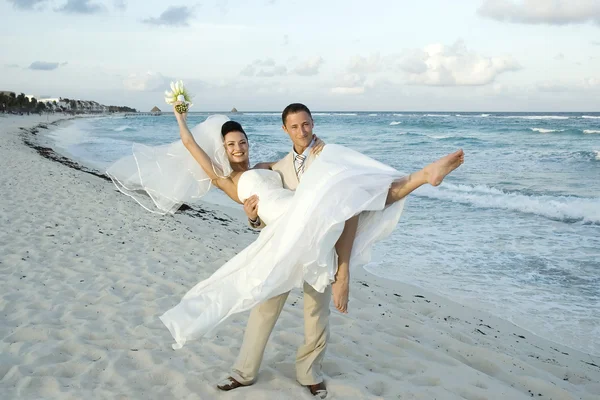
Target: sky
column 260, row 55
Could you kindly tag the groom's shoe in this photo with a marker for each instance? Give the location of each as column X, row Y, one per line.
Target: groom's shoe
column 228, row 384
column 319, row 390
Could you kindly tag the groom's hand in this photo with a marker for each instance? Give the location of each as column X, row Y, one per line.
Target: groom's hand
column 251, row 207
column 318, row 146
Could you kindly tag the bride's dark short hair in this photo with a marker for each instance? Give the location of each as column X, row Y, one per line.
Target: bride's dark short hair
column 293, row 109
column 232, row 126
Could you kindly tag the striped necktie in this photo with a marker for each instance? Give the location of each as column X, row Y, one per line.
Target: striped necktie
column 299, row 164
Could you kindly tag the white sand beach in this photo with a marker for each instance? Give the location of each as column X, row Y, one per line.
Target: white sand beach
column 85, row 272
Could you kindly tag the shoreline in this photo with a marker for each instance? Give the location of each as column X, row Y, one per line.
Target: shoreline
column 65, row 157
column 395, row 331
column 67, row 160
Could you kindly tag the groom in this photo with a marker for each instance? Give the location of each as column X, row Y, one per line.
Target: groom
column 298, row 124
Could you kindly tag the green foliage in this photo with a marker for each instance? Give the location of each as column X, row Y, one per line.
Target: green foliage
column 13, row 103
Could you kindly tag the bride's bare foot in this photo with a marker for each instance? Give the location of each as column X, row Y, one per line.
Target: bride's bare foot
column 437, row 171
column 340, row 289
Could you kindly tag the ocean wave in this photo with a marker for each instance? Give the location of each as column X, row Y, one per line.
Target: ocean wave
column 321, row 113
column 462, row 139
column 558, row 208
column 590, row 116
column 535, row 116
column 570, row 131
column 261, row 113
column 372, row 115
column 395, row 123
column 544, row 130
column 437, row 115
column 597, row 152
column 346, row 114
column 472, row 115
column 439, row 136
column 576, row 155
column 124, row 128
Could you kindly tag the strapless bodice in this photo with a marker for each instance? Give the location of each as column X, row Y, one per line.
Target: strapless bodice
column 273, row 199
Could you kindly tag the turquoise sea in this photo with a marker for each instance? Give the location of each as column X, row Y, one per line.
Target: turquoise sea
column 515, row 231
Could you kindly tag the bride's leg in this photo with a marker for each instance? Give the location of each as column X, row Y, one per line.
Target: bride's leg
column 433, row 174
column 341, row 287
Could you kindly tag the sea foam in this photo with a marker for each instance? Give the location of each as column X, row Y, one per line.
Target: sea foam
column 558, row 208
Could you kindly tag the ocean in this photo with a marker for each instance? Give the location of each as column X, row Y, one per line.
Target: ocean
column 514, row 231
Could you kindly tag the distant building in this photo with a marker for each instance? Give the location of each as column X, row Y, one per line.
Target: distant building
column 234, row 110
column 49, row 100
column 155, row 110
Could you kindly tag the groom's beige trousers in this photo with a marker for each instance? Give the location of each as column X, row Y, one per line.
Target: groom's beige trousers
column 264, row 316
column 260, row 325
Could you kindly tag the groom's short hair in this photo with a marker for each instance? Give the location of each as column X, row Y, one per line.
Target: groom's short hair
column 293, row 109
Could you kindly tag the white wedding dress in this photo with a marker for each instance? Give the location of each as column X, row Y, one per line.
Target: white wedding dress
column 298, row 242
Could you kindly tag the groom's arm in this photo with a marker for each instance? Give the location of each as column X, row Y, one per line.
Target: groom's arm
column 264, row 165
column 251, row 210
column 256, row 223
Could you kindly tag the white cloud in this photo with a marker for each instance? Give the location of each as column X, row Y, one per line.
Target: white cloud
column 268, row 68
column 45, row 66
column 583, row 85
column 414, row 62
column 26, row 4
column 591, row 83
column 559, row 56
column 309, row 67
column 365, row 65
column 440, row 65
column 146, row 82
column 81, row 7
column 552, row 87
column 120, row 5
column 277, row 70
column 551, row 12
column 177, row 16
column 348, row 90
column 351, row 84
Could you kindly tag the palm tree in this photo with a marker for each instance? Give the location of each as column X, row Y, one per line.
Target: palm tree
column 12, row 100
column 22, row 101
column 41, row 106
column 4, row 101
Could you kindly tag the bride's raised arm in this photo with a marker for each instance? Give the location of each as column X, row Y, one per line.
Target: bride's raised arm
column 213, row 171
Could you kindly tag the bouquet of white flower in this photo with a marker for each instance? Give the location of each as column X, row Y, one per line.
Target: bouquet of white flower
column 178, row 93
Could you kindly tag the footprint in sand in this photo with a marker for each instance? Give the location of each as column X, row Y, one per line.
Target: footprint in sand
column 376, row 388
column 426, row 381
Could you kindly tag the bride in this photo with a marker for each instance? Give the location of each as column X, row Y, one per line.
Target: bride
column 297, row 244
